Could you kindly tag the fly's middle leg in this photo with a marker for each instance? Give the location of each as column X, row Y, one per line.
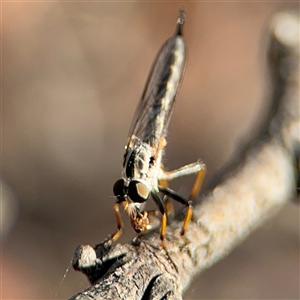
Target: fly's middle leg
column 197, row 167
column 163, row 225
column 166, row 200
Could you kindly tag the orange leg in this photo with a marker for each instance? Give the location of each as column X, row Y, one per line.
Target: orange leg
column 195, row 191
column 163, row 229
column 163, row 225
column 198, row 168
column 167, row 203
column 119, row 232
column 108, row 241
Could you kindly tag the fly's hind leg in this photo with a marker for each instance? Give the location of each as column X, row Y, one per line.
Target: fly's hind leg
column 194, row 192
column 197, row 167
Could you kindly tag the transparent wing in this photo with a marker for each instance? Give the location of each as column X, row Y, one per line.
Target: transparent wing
column 154, row 110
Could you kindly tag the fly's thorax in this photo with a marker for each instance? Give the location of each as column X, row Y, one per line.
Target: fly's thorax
column 139, row 175
column 139, row 161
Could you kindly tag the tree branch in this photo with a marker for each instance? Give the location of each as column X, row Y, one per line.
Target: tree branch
column 258, row 180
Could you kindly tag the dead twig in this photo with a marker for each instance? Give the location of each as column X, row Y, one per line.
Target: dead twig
column 254, row 185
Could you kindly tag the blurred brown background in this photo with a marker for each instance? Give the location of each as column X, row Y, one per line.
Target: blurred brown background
column 72, row 76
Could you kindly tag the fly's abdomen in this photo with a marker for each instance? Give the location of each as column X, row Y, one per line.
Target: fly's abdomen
column 153, row 113
column 170, row 64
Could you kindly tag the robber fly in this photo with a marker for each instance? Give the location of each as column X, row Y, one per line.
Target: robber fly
column 143, row 174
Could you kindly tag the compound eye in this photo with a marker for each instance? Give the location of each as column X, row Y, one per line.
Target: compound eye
column 137, row 191
column 118, row 188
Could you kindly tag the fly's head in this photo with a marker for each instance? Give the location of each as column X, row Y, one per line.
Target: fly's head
column 135, row 192
column 139, row 178
column 133, row 196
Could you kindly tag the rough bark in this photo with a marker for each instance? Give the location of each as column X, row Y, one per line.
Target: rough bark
column 256, row 182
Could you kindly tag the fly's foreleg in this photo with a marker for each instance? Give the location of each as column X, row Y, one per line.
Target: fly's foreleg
column 111, row 239
column 119, row 232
